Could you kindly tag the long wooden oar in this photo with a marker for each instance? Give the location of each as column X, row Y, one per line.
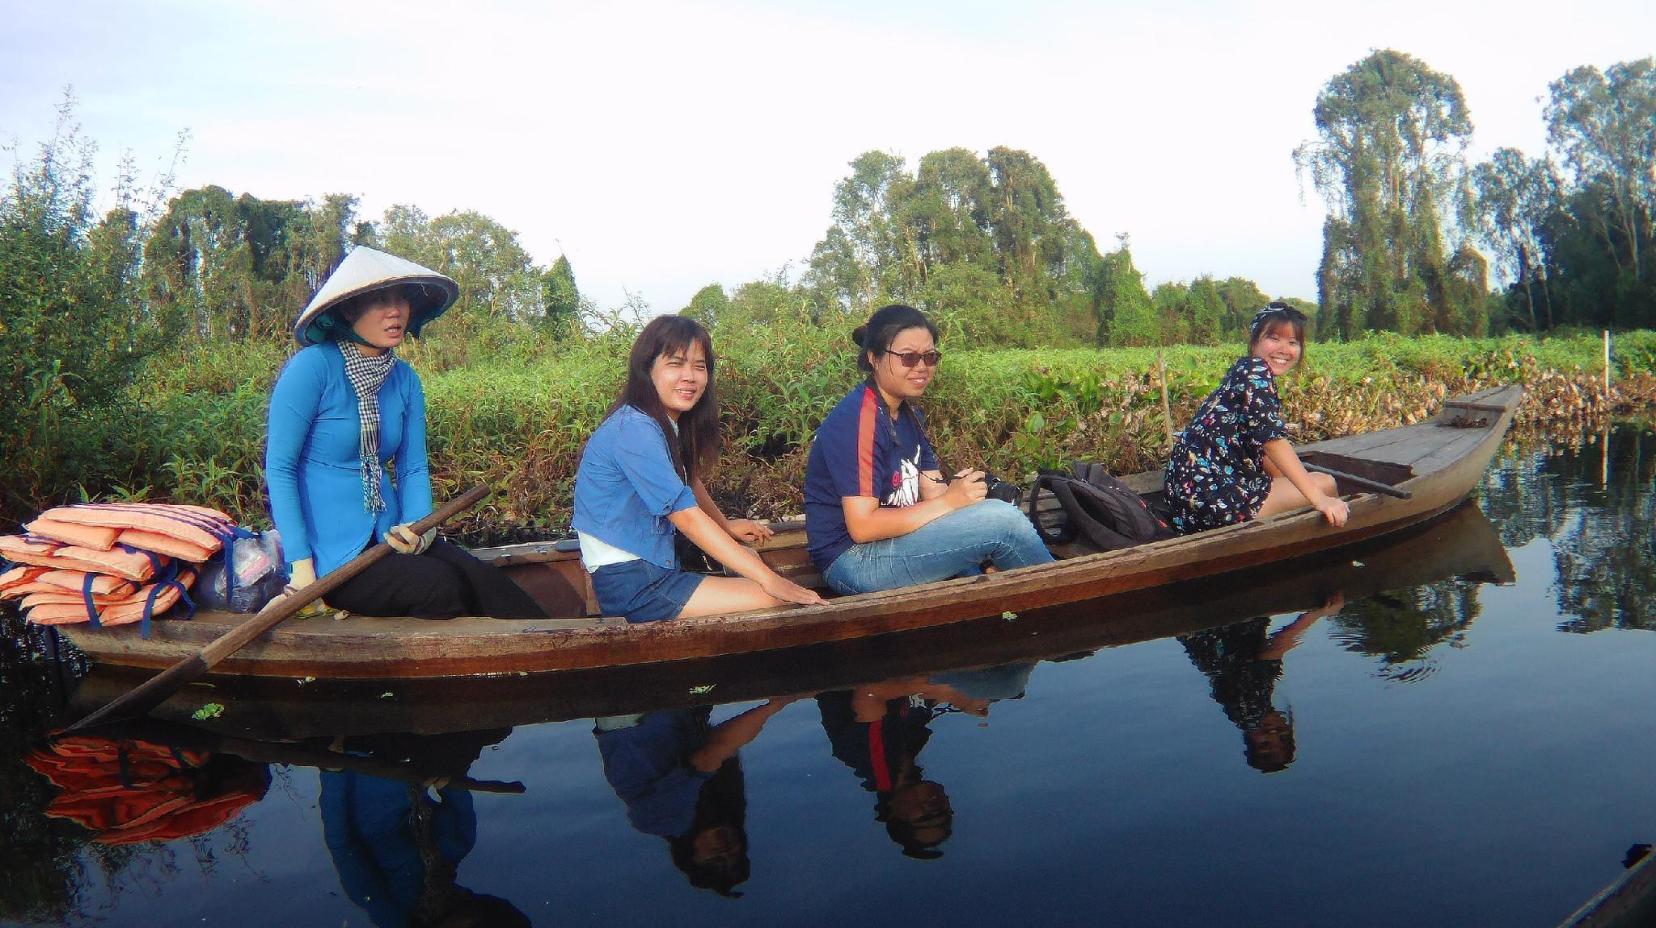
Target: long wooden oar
column 1363, row 482
column 155, row 690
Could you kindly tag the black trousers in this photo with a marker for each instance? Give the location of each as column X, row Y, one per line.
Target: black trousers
column 442, row 583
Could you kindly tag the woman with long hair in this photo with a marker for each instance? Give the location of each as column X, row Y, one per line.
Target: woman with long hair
column 878, row 513
column 1234, row 462
column 639, row 483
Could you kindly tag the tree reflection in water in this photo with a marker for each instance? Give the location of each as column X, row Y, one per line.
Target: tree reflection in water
column 1402, row 627
column 1605, row 557
column 1594, row 502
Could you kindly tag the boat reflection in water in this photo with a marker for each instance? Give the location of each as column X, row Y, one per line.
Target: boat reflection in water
column 681, row 780
column 129, row 791
column 396, row 844
column 1461, row 544
column 1243, row 662
column 397, row 811
column 879, row 729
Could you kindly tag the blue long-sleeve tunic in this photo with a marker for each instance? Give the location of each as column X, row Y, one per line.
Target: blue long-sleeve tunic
column 313, row 466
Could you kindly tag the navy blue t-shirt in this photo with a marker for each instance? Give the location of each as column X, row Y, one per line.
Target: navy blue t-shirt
column 859, row 450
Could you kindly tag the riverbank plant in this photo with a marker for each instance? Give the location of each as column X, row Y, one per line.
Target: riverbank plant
column 194, row 427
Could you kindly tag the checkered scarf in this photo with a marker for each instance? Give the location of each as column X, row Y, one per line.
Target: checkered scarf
column 367, row 374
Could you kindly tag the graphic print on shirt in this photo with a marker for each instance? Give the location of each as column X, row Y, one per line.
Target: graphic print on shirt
column 905, row 482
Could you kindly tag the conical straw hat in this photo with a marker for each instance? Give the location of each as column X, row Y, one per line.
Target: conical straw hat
column 366, row 269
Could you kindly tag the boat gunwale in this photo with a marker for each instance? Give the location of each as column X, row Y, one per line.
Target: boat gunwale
column 534, row 645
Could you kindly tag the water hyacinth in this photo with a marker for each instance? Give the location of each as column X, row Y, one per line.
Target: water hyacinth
column 518, row 420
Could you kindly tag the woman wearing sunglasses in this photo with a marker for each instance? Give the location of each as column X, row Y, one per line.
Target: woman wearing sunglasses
column 878, row 513
column 1234, row 463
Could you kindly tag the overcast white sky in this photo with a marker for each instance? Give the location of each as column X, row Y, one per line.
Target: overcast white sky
column 664, row 145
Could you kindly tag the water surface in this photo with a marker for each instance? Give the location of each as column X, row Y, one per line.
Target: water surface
column 1451, row 728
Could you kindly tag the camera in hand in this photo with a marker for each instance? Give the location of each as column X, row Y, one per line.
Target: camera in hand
column 1003, row 490
column 996, row 488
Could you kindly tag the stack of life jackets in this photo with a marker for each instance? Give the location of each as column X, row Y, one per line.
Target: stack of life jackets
column 131, row 791
column 111, row 563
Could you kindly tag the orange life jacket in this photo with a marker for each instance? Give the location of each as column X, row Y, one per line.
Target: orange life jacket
column 19, row 576
column 67, row 608
column 73, row 533
column 75, row 581
column 130, row 563
column 132, row 791
column 141, row 525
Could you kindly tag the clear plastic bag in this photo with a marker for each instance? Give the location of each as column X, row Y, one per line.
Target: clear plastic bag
column 259, row 574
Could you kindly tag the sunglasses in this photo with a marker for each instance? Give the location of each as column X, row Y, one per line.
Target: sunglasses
column 913, row 358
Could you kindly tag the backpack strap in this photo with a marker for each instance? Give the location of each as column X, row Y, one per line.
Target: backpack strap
column 1054, row 482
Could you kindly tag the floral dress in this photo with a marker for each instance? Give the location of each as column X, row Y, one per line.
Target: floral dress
column 1216, row 475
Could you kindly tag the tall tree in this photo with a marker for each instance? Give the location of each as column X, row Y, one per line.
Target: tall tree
column 497, row 278
column 1120, row 303
column 1242, row 298
column 561, row 298
column 73, row 328
column 986, row 240
column 1604, row 127
column 709, row 306
column 862, row 259
column 1389, row 161
column 1515, row 196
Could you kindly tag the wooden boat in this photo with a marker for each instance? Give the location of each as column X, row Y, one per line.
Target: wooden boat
column 1462, row 544
column 1436, row 463
column 1628, row 902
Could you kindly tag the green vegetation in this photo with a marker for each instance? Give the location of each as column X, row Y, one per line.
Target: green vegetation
column 196, row 431
column 1053, row 346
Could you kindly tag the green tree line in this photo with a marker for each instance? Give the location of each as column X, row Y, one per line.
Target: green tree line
column 89, row 293
column 1413, row 227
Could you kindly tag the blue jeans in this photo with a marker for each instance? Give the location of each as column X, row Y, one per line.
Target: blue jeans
column 948, row 546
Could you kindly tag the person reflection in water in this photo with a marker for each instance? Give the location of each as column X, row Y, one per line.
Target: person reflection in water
column 1243, row 663
column 396, row 845
column 878, row 730
column 681, row 779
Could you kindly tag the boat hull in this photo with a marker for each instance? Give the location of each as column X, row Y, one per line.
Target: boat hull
column 1437, row 463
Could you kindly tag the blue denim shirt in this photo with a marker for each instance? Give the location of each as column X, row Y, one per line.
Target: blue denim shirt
column 626, row 488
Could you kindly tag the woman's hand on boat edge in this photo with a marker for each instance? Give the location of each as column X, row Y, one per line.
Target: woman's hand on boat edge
column 748, row 531
column 1334, row 509
column 788, row 591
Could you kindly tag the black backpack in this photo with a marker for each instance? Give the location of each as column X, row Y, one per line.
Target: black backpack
column 1096, row 505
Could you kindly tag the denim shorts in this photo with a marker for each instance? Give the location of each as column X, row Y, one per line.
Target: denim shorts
column 642, row 592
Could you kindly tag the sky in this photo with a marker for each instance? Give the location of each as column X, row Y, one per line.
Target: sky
column 662, row 146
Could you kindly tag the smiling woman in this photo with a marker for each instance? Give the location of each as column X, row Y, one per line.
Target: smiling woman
column 878, row 512
column 1234, row 463
column 639, row 482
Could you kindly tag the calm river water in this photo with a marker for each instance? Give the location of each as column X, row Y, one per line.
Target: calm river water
column 1450, row 728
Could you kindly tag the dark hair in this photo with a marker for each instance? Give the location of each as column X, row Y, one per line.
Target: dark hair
column 918, row 840
column 698, row 429
column 721, row 803
column 882, row 328
column 1270, row 316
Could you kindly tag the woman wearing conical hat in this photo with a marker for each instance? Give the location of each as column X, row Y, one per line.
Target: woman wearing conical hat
column 345, row 458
